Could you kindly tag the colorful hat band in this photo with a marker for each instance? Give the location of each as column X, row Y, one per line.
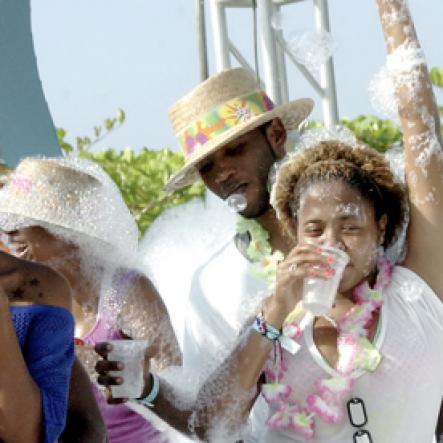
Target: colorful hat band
column 222, row 118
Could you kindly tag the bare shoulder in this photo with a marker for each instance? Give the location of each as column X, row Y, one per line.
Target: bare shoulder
column 46, row 286
column 139, row 291
column 137, row 284
column 27, row 282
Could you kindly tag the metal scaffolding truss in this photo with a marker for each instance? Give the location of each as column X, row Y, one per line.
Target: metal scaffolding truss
column 275, row 51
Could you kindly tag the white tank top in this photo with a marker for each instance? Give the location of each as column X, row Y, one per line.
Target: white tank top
column 403, row 396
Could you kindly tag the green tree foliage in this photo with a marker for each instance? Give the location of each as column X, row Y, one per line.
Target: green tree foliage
column 437, row 79
column 140, row 176
column 378, row 133
column 437, row 76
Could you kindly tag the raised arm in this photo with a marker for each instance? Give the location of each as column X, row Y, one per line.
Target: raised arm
column 420, row 123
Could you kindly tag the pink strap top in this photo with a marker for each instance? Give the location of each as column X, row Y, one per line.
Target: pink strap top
column 123, row 424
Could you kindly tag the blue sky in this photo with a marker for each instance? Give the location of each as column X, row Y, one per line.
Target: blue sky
column 95, row 56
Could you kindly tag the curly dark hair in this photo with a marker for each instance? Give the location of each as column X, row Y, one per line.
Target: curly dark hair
column 360, row 167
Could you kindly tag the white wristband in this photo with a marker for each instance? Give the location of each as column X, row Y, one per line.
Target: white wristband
column 155, row 388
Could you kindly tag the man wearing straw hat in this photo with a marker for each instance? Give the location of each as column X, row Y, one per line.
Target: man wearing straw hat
column 231, row 134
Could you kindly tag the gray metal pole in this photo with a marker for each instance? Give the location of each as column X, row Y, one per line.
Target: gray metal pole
column 281, row 62
column 220, row 34
column 327, row 78
column 270, row 64
column 201, row 37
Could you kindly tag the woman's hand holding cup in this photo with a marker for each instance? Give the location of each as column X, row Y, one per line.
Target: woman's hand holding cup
column 304, row 261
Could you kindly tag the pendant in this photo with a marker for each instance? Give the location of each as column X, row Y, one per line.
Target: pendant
column 357, row 412
column 362, row 436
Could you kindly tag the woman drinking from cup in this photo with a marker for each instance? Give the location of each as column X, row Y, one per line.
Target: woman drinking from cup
column 368, row 367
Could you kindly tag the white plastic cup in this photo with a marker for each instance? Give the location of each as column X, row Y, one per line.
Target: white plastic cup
column 319, row 293
column 132, row 354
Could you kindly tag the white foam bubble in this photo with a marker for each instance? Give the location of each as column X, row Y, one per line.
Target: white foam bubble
column 311, row 49
column 382, row 95
column 237, row 202
column 179, row 241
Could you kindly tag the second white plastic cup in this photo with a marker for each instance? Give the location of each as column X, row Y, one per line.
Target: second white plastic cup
column 319, row 293
column 132, row 354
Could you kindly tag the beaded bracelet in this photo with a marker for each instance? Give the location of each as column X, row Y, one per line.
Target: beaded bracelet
column 265, row 329
column 155, row 388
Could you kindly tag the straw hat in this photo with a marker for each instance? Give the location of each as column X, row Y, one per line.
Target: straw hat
column 219, row 110
column 72, row 196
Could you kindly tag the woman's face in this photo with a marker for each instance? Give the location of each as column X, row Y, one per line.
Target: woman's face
column 335, row 214
column 37, row 244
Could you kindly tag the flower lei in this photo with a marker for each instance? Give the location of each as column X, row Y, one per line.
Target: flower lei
column 355, row 352
column 260, row 251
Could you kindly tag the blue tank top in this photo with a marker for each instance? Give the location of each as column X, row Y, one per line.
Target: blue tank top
column 45, row 334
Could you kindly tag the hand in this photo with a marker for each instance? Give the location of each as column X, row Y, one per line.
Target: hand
column 303, row 261
column 104, row 366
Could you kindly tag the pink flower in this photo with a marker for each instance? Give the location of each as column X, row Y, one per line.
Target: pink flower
column 302, row 422
column 347, row 351
column 334, row 388
column 293, row 417
column 274, row 392
column 292, row 329
column 328, row 411
column 281, row 420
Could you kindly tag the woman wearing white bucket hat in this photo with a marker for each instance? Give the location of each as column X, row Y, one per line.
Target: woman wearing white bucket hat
column 68, row 213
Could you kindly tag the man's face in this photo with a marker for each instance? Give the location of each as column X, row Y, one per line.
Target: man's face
column 241, row 167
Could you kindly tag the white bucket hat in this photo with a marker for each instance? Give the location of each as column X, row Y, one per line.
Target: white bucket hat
column 222, row 108
column 69, row 193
